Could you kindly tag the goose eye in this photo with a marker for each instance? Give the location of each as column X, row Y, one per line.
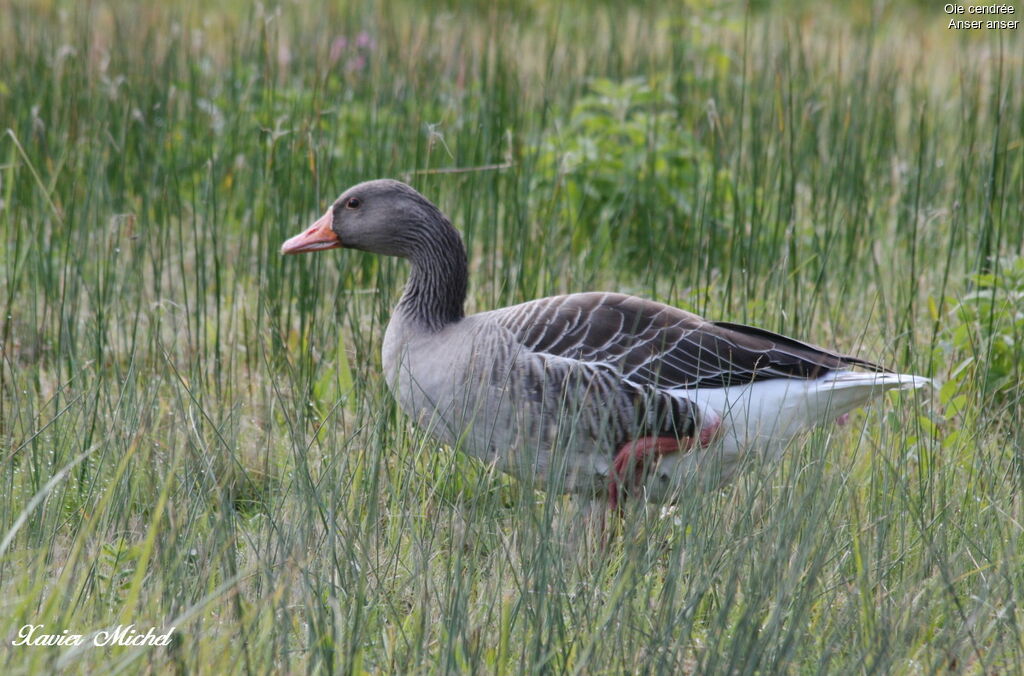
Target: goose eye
column 353, row 203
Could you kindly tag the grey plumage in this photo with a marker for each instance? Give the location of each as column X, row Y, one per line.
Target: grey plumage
column 550, row 389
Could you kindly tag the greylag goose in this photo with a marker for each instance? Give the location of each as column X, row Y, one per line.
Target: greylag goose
column 593, row 393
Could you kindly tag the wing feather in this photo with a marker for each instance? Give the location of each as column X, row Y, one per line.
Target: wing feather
column 656, row 345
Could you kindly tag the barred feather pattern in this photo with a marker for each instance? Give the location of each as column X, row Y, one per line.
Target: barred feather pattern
column 551, row 389
column 660, row 346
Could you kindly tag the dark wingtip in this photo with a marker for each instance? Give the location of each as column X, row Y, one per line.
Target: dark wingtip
column 823, row 356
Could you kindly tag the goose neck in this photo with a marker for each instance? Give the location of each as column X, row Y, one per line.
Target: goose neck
column 436, row 291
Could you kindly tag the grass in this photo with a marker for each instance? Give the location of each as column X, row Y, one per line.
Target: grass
column 195, row 431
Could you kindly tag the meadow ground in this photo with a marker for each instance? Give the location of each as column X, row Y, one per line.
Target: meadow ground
column 195, row 432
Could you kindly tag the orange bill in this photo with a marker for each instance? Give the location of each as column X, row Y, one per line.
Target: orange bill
column 319, row 236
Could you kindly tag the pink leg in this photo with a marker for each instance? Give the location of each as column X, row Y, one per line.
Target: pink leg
column 634, row 459
column 710, row 431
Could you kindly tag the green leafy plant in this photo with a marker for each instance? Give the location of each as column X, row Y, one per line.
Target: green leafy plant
column 627, row 164
column 116, row 563
column 987, row 335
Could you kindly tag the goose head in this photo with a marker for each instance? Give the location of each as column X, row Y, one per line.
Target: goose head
column 384, row 217
column 390, row 218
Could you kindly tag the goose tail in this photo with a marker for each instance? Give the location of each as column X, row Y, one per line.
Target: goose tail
column 840, row 392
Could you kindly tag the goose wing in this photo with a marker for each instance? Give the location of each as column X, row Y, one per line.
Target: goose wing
column 655, row 345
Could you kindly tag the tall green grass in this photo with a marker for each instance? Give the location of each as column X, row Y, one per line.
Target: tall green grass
column 195, row 431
